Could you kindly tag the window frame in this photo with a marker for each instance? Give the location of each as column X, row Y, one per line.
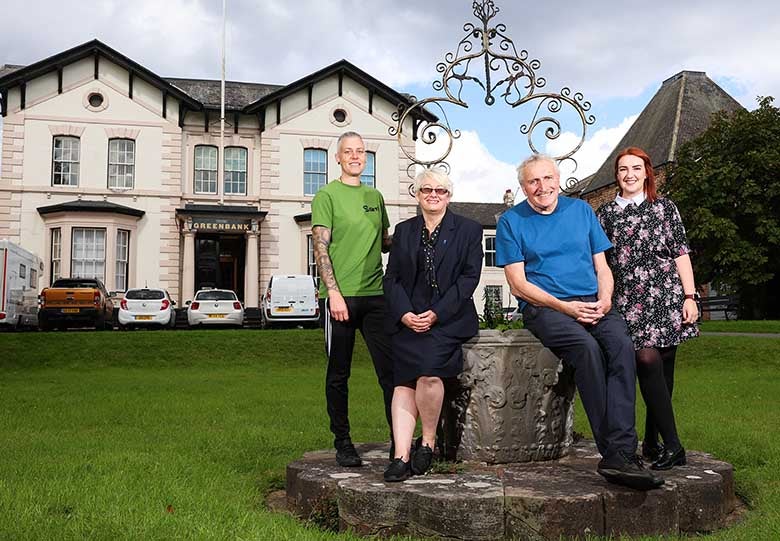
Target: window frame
column 490, row 261
column 195, row 170
column 122, row 259
column 55, row 262
column 131, row 166
column 33, row 278
column 323, row 174
column 365, row 177
column 498, row 294
column 54, row 161
column 226, row 170
column 73, row 259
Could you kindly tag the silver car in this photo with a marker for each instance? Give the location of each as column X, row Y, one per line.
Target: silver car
column 215, row 307
column 145, row 307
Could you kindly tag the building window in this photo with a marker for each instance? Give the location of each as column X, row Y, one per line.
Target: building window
column 315, row 170
column 494, row 296
column 121, row 163
column 235, row 170
column 88, row 258
column 56, row 253
column 22, row 270
column 65, row 161
column 34, row 278
column 122, row 252
column 205, row 169
column 368, row 178
column 311, row 264
column 490, row 251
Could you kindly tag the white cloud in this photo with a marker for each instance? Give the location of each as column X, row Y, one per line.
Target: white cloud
column 476, row 174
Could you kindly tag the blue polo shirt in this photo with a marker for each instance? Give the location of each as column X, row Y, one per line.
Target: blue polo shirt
column 557, row 248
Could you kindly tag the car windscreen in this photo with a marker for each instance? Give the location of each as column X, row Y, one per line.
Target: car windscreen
column 216, row 296
column 74, row 283
column 145, row 294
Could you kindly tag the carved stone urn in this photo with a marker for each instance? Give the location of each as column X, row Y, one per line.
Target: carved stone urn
column 513, row 402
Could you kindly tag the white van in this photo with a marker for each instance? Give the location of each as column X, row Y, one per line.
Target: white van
column 290, row 298
column 20, row 272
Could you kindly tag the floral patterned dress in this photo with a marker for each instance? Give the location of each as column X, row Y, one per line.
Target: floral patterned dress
column 648, row 292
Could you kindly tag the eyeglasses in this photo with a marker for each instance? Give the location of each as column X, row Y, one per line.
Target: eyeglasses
column 427, row 190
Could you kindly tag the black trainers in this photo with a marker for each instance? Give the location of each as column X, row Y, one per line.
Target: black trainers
column 627, row 469
column 397, row 471
column 421, row 459
column 347, row 456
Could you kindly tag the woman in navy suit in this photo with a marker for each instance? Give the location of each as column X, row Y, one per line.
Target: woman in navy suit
column 434, row 268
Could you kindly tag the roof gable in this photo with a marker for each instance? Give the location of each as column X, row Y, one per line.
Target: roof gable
column 679, row 112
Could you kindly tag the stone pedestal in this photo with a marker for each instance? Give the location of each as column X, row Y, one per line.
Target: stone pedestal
column 514, row 402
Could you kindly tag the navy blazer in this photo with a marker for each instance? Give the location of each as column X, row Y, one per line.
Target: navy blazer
column 458, row 263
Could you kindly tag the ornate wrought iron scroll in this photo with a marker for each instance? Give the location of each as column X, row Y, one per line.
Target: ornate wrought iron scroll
column 508, row 75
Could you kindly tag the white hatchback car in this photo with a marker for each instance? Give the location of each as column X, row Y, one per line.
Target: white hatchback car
column 146, row 306
column 215, row 307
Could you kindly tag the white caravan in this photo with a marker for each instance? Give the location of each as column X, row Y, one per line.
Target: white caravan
column 20, row 272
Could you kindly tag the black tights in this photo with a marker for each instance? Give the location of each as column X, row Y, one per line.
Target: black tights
column 655, row 370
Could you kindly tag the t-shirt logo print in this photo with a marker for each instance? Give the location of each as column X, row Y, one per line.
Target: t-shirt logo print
column 366, row 208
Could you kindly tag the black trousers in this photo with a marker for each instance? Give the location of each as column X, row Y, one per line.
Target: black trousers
column 602, row 356
column 366, row 314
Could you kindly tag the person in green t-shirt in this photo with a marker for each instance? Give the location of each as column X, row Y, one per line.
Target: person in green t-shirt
column 349, row 232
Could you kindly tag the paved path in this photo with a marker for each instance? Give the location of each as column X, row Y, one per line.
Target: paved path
column 750, row 334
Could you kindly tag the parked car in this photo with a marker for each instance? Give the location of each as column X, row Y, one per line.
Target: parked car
column 290, row 298
column 75, row 302
column 147, row 306
column 215, row 307
column 19, row 273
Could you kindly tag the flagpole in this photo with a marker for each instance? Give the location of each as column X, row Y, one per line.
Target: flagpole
column 221, row 176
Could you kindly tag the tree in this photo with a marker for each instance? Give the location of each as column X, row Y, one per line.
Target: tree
column 726, row 184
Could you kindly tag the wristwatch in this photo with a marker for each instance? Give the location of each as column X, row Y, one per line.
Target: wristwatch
column 691, row 296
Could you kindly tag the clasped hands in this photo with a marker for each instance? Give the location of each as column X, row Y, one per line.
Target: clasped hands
column 420, row 322
column 588, row 313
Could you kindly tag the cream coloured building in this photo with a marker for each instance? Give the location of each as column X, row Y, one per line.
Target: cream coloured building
column 110, row 170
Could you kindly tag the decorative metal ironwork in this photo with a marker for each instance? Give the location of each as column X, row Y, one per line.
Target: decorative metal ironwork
column 508, row 75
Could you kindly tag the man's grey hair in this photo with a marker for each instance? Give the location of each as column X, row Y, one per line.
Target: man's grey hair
column 533, row 158
column 346, row 135
column 433, row 176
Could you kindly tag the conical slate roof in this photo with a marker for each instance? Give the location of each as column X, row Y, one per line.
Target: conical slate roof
column 680, row 111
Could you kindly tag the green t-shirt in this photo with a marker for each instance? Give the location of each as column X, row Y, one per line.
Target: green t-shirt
column 356, row 217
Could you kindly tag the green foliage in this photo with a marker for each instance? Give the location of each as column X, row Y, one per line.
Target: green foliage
column 493, row 315
column 726, row 184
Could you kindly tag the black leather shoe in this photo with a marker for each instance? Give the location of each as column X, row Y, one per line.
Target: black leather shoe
column 347, row 456
column 669, row 459
column 652, row 452
column 422, row 457
column 397, row 471
column 627, row 469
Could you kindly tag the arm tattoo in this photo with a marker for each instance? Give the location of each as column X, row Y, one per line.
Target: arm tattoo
column 321, row 241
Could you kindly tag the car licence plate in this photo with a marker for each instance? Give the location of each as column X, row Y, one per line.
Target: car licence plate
column 70, row 310
column 217, row 316
column 283, row 309
column 143, row 318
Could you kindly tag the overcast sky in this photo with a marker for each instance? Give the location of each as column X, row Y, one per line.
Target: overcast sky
column 615, row 53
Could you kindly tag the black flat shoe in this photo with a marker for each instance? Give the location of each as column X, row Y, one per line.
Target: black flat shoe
column 422, row 457
column 652, row 452
column 669, row 459
column 397, row 471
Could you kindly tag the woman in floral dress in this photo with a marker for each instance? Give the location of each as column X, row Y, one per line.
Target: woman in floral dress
column 654, row 290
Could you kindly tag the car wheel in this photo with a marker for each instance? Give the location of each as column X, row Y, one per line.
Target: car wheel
column 172, row 322
column 45, row 325
column 263, row 320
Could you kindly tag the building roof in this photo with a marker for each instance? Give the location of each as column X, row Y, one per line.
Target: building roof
column 237, row 94
column 5, row 69
column 680, row 111
column 94, row 48
column 91, row 206
column 216, row 210
column 486, row 214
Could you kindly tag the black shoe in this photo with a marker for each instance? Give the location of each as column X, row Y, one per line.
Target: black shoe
column 398, row 470
column 627, row 469
column 422, row 457
column 347, row 456
column 652, row 451
column 669, row 459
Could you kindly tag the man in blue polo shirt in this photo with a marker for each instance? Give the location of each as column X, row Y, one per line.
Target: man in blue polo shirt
column 552, row 251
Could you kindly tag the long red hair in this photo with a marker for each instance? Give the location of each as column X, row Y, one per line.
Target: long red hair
column 651, row 192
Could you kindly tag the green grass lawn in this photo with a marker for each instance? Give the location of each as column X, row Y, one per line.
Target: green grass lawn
column 768, row 326
column 179, row 435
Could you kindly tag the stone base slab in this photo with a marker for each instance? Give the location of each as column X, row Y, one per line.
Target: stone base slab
column 562, row 498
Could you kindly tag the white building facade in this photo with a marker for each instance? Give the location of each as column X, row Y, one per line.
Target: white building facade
column 111, row 171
